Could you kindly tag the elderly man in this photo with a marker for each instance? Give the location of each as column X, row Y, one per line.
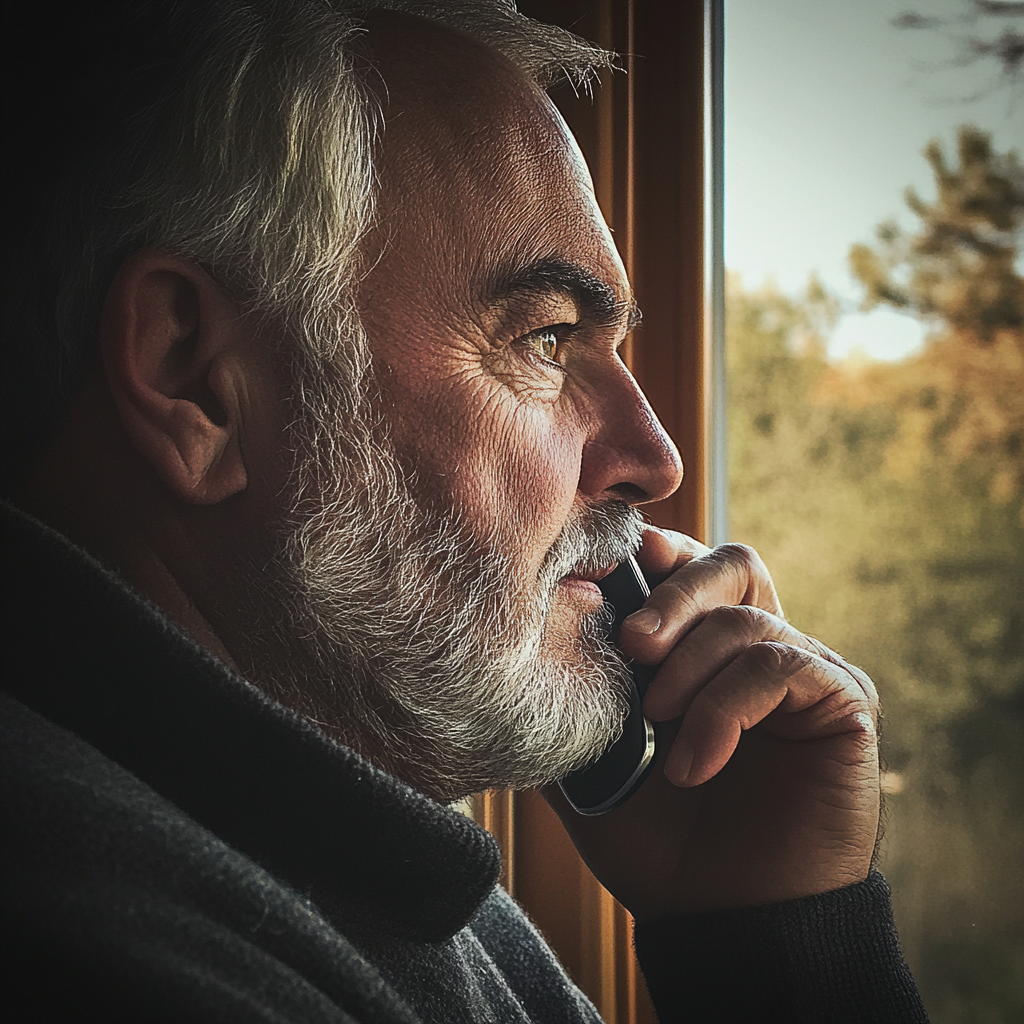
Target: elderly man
column 318, row 442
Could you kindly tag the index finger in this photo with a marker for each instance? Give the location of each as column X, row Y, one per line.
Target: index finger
column 731, row 574
column 664, row 551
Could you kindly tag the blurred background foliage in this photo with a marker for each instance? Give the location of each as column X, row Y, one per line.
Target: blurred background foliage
column 888, row 500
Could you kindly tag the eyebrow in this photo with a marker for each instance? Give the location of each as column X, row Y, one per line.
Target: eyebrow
column 595, row 298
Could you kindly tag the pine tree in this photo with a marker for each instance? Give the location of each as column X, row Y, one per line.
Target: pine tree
column 957, row 270
column 961, row 400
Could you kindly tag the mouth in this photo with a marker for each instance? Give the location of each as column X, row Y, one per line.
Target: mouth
column 587, row 578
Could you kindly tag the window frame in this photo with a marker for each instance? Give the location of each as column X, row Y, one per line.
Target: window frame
column 653, row 140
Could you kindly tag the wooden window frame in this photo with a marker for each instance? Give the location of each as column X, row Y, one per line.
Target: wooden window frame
column 652, row 138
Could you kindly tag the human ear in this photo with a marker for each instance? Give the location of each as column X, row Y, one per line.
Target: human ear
column 173, row 343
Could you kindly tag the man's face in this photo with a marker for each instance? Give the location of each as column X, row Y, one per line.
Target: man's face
column 495, row 311
column 439, row 574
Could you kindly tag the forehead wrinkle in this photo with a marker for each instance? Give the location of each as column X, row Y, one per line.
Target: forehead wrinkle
column 596, row 299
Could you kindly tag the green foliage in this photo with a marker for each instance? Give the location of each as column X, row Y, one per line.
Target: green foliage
column 962, row 399
column 887, row 500
column 918, row 577
column 958, row 269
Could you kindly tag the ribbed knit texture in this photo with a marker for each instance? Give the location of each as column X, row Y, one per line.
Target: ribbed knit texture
column 751, row 966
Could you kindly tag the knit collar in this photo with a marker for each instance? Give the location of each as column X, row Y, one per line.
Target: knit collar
column 83, row 649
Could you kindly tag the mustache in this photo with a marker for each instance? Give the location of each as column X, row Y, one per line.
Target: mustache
column 601, row 535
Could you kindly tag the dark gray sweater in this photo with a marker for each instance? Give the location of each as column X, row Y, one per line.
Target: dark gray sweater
column 178, row 847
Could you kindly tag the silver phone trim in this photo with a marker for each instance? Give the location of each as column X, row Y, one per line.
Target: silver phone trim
column 627, row 787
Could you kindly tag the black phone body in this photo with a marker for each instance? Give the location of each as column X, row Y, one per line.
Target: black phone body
column 617, row 774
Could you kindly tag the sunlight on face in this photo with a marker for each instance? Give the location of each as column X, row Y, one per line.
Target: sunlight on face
column 417, row 642
column 433, row 602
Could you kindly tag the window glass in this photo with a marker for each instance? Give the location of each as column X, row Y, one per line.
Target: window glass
column 875, row 387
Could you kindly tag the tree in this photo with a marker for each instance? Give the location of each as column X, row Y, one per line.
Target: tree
column 1005, row 46
column 915, row 572
column 957, row 270
column 962, row 398
column 886, row 498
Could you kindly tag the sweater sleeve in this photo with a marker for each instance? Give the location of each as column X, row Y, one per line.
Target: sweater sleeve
column 834, row 957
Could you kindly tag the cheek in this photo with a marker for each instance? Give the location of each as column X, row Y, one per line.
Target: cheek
column 529, row 475
column 508, row 465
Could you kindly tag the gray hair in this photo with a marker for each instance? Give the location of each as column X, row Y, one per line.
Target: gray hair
column 239, row 135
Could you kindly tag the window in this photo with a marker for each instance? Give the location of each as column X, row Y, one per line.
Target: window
column 883, row 487
column 906, row 561
column 644, row 138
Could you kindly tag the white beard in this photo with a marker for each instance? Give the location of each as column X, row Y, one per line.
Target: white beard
column 415, row 641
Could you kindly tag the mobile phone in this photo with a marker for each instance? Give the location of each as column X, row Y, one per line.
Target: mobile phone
column 617, row 774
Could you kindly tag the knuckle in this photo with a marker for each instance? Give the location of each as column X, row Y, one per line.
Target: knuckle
column 768, row 657
column 814, row 645
column 745, row 564
column 859, row 676
column 728, row 617
column 866, row 683
column 739, row 554
column 741, row 619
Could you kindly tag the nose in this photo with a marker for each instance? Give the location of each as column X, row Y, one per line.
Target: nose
column 627, row 455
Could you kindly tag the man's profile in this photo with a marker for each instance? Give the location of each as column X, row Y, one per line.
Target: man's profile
column 317, row 445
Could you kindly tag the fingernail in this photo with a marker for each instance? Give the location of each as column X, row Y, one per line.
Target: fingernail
column 647, row 620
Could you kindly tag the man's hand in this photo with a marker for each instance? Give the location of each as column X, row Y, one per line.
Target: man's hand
column 766, row 782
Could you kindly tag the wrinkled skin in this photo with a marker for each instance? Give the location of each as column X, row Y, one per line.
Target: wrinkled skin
column 511, row 406
column 494, row 185
column 491, row 426
column 766, row 784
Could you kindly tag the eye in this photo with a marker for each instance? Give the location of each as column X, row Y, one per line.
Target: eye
column 545, row 342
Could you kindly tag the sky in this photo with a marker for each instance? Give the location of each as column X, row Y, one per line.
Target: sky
column 827, row 109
